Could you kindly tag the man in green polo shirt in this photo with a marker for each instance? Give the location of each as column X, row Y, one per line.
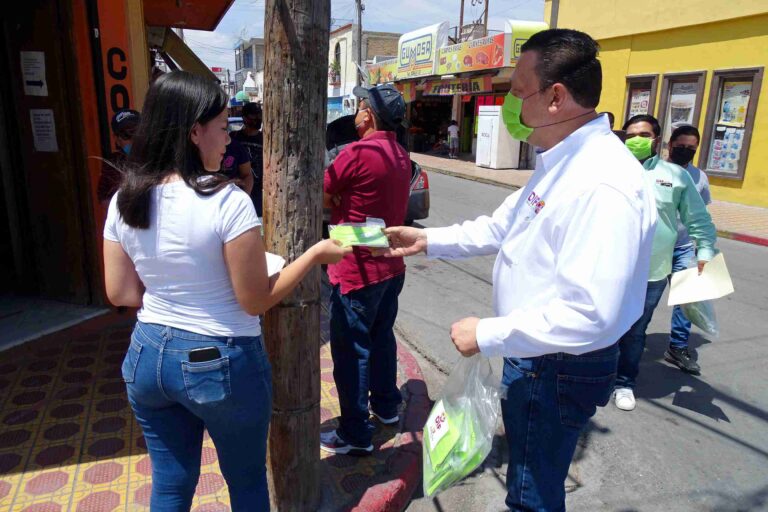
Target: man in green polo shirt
column 676, row 197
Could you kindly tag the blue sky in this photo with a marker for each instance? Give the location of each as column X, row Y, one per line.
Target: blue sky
column 245, row 19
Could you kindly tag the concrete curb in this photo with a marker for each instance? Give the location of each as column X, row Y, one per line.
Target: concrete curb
column 739, row 237
column 405, row 464
column 470, row 178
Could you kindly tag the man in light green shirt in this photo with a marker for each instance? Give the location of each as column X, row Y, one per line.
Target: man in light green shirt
column 676, row 197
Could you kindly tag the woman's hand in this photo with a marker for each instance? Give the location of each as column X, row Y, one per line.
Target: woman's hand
column 329, row 251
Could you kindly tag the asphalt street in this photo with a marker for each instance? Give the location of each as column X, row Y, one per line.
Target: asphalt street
column 692, row 443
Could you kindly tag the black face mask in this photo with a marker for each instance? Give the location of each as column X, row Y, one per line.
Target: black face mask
column 681, row 155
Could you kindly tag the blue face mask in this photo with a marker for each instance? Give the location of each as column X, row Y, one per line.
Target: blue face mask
column 127, row 149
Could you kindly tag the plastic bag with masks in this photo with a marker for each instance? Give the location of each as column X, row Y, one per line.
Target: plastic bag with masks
column 702, row 315
column 460, row 429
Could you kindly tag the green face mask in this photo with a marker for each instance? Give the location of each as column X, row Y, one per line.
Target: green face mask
column 641, row 147
column 510, row 114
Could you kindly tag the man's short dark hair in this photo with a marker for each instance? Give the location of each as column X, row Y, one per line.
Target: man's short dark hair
column 644, row 118
column 568, row 57
column 251, row 109
column 686, row 129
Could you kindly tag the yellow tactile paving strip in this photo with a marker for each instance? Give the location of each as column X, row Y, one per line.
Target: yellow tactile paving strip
column 69, row 442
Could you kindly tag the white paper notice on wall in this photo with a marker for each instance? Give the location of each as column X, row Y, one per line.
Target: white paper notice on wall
column 33, row 73
column 43, row 130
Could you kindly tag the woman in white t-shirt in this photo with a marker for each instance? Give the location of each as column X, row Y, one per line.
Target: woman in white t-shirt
column 183, row 243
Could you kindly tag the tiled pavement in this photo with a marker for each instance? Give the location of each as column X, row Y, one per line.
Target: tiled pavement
column 69, row 442
column 740, row 222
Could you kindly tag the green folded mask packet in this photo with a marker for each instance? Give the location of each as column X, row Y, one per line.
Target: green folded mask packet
column 451, row 448
column 368, row 234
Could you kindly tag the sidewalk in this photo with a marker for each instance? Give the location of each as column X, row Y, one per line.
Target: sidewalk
column 735, row 221
column 69, row 441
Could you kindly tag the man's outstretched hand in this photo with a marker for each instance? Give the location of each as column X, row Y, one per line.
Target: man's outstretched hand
column 403, row 241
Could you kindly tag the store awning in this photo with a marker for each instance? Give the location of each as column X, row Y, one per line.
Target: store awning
column 168, row 42
column 191, row 14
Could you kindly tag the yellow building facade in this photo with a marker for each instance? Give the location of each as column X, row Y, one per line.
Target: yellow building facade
column 700, row 63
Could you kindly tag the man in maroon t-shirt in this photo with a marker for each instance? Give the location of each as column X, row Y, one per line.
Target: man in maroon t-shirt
column 369, row 178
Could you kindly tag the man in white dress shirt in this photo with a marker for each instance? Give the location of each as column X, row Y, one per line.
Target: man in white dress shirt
column 573, row 254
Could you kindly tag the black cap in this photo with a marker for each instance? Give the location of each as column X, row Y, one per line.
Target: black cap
column 124, row 121
column 386, row 101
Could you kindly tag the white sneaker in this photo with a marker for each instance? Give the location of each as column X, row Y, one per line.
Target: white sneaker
column 624, row 398
column 386, row 421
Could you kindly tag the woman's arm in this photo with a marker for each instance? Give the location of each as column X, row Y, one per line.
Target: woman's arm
column 247, row 265
column 124, row 287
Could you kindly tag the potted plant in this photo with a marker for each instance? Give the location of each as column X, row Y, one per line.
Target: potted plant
column 334, row 73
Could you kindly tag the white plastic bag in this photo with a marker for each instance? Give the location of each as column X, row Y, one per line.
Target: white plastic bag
column 702, row 315
column 459, row 432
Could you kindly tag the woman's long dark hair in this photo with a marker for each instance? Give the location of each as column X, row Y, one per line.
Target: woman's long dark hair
column 162, row 145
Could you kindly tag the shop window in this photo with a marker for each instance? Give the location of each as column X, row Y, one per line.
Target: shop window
column 681, row 97
column 641, row 95
column 729, row 122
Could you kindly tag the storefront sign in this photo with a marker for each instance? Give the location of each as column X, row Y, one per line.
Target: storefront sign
column 382, row 72
column 475, row 55
column 459, row 86
column 417, row 51
column 518, row 32
column 113, row 22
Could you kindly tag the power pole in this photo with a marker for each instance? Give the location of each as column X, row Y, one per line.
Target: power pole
column 295, row 102
column 461, row 22
column 485, row 20
column 360, row 8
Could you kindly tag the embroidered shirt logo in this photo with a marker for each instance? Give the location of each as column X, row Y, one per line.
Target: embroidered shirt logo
column 535, row 202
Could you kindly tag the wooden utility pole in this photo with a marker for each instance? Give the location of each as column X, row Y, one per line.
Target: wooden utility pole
column 359, row 40
column 295, row 102
column 461, row 23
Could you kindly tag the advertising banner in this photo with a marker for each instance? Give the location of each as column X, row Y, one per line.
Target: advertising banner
column 408, row 90
column 382, row 72
column 475, row 55
column 417, row 51
column 459, row 86
column 734, row 103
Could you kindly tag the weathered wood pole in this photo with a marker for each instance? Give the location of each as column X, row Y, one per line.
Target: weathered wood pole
column 295, row 98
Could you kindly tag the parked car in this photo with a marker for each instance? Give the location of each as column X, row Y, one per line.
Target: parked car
column 342, row 131
column 234, row 124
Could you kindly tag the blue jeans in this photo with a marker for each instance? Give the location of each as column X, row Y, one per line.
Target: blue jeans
column 174, row 400
column 683, row 258
column 549, row 401
column 632, row 344
column 365, row 356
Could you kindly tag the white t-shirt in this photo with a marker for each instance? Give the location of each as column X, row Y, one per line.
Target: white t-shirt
column 180, row 258
column 453, row 131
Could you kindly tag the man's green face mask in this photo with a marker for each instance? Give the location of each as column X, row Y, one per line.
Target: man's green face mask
column 511, row 112
column 640, row 147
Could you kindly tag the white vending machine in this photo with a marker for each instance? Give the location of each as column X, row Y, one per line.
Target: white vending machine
column 496, row 149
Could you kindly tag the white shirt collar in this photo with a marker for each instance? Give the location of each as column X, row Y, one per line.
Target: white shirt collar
column 573, row 142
